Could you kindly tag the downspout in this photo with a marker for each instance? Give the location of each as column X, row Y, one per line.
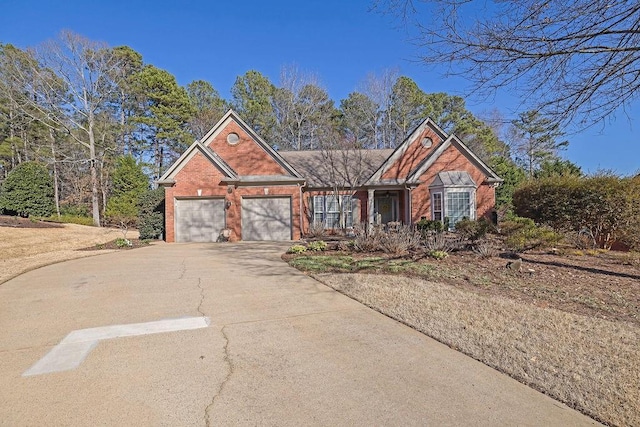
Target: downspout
column 304, row 184
column 410, row 213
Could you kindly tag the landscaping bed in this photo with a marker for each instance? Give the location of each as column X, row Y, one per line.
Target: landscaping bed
column 18, row 222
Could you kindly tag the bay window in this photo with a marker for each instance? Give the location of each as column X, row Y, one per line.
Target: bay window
column 453, row 197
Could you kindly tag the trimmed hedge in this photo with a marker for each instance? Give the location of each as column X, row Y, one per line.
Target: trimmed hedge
column 606, row 205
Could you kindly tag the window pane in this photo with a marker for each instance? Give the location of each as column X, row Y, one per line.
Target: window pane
column 327, row 210
column 437, row 206
column 437, row 201
column 318, row 204
column 333, row 220
column 458, row 206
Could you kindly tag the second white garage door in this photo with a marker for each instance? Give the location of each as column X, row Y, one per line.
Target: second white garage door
column 266, row 218
column 199, row 220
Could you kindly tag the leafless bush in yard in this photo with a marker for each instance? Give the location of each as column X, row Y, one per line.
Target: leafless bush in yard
column 400, row 239
column 440, row 241
column 485, row 249
column 316, row 229
column 367, row 240
column 582, row 239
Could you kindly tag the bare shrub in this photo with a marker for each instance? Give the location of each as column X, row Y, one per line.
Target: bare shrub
column 582, row 239
column 367, row 240
column 399, row 239
column 344, row 245
column 316, row 229
column 441, row 241
column 485, row 249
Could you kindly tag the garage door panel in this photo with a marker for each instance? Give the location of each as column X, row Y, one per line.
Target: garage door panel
column 267, row 218
column 199, row 220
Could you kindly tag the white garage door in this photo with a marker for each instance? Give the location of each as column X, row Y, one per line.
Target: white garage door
column 266, row 218
column 199, row 220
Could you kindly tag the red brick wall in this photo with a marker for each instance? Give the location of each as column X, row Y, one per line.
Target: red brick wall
column 246, row 157
column 200, row 173
column 415, row 153
column 451, row 160
column 234, row 213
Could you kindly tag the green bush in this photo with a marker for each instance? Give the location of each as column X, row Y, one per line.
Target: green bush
column 28, row 191
column 317, row 246
column 438, row 254
column 123, row 243
column 75, row 209
column 129, row 183
column 71, row 219
column 296, row 249
column 473, row 230
column 151, row 217
column 606, row 205
column 522, row 234
column 426, row 225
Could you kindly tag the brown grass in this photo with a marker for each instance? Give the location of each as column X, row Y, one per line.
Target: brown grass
column 24, row 249
column 589, row 363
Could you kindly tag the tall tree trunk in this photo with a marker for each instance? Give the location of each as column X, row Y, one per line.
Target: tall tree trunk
column 56, row 192
column 93, row 165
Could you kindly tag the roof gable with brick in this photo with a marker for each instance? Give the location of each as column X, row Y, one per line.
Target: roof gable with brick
column 244, row 150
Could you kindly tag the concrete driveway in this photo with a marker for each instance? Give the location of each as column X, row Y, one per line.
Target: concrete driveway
column 278, row 349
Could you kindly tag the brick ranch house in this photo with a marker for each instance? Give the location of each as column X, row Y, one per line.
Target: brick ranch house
column 232, row 184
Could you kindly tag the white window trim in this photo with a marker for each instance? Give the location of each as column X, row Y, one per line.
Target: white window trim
column 433, row 206
column 448, row 190
column 472, row 198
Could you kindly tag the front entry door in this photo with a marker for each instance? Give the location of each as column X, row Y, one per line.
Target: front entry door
column 386, row 208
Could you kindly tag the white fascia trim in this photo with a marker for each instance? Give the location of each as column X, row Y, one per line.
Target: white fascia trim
column 178, row 163
column 188, row 155
column 218, row 126
column 490, row 173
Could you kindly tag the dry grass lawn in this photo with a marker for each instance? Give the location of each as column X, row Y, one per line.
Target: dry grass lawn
column 590, row 363
column 24, row 249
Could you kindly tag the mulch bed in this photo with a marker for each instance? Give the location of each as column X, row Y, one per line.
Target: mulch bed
column 18, row 222
column 135, row 243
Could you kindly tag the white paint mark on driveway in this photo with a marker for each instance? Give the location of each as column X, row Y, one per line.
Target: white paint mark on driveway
column 75, row 347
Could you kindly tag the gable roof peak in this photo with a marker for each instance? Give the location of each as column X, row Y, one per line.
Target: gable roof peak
column 404, row 146
column 167, row 177
column 232, row 115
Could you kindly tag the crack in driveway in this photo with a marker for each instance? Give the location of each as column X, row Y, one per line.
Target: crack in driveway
column 201, row 297
column 183, row 269
column 230, row 370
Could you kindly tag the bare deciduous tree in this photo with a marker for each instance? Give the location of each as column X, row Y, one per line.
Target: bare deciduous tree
column 576, row 61
column 379, row 89
column 68, row 85
column 304, row 112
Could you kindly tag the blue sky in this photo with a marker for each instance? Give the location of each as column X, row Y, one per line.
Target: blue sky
column 341, row 41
